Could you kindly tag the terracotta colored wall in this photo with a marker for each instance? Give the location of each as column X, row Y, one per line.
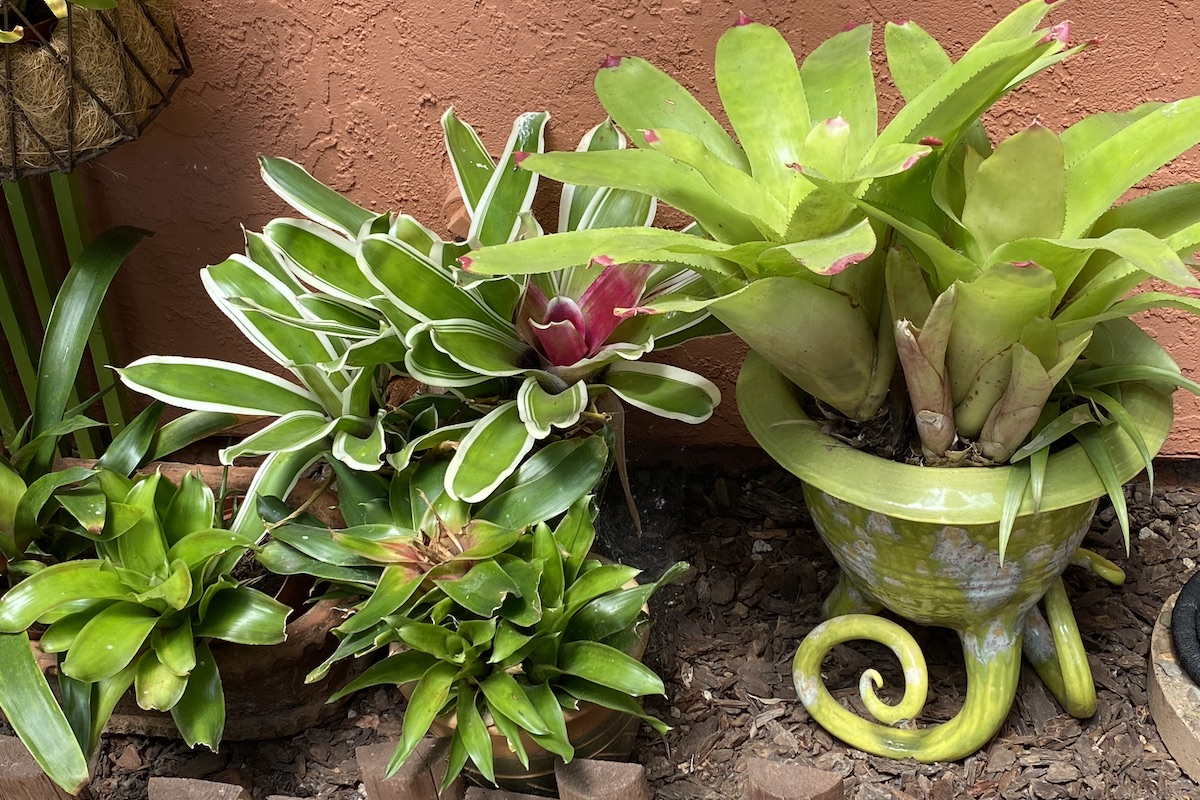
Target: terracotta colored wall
column 354, row 89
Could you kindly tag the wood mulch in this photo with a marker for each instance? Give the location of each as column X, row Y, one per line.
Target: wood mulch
column 724, row 639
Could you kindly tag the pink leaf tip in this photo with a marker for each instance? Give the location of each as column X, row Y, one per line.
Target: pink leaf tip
column 603, row 261
column 465, row 263
column 626, row 313
column 519, row 156
column 651, row 136
column 1059, row 33
column 851, row 26
column 837, row 125
column 1024, row 264
column 901, row 22
column 932, row 141
column 742, row 20
column 796, row 167
column 912, row 160
column 1095, row 41
column 1190, row 292
column 843, row 262
column 1051, row 2
column 610, row 61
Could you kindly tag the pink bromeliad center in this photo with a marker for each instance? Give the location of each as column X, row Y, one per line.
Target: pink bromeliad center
column 565, row 330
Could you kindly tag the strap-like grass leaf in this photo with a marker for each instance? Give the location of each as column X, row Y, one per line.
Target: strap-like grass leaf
column 1098, row 453
column 1125, row 420
column 70, row 324
column 1014, row 493
column 36, row 717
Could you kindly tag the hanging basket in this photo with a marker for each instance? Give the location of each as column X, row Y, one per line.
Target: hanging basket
column 96, row 80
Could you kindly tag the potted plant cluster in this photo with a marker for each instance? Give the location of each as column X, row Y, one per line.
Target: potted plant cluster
column 469, row 501
column 929, row 311
column 114, row 576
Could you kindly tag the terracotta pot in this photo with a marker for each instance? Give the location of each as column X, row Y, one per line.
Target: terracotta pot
column 594, row 731
column 265, row 693
column 924, row 544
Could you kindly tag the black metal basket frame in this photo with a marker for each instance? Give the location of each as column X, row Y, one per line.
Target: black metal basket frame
column 129, row 130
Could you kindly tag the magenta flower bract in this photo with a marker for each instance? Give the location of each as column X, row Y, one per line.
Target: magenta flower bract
column 565, row 330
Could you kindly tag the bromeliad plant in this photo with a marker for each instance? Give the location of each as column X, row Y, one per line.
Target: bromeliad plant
column 142, row 612
column 346, row 299
column 997, row 277
column 838, row 253
column 494, row 617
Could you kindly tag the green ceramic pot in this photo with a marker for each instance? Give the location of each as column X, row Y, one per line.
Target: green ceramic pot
column 923, row 543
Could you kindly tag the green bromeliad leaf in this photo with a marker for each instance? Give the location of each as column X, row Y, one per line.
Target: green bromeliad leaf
column 488, row 454
column 664, row 390
column 540, row 410
column 203, row 384
column 312, row 198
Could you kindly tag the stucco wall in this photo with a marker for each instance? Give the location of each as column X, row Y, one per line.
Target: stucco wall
column 353, row 89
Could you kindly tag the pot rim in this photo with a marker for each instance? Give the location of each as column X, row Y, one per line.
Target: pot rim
column 770, row 407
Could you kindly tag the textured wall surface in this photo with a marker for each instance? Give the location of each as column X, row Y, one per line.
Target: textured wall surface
column 354, row 89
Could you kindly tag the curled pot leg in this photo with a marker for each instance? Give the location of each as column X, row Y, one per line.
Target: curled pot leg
column 993, row 659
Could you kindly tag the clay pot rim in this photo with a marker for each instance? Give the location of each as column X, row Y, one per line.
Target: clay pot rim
column 770, row 407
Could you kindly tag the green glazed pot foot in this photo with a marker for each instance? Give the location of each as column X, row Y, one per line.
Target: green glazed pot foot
column 992, row 651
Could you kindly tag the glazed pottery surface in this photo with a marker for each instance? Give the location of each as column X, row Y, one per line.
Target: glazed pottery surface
column 923, row 542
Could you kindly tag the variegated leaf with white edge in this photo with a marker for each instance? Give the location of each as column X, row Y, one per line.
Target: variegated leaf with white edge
column 285, row 344
column 425, row 362
column 488, row 454
column 479, row 348
column 664, row 390
column 417, row 286
column 290, row 432
column 574, row 200
column 357, row 451
column 472, row 164
column 320, row 258
column 540, row 410
column 204, row 384
column 510, row 190
column 299, row 189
